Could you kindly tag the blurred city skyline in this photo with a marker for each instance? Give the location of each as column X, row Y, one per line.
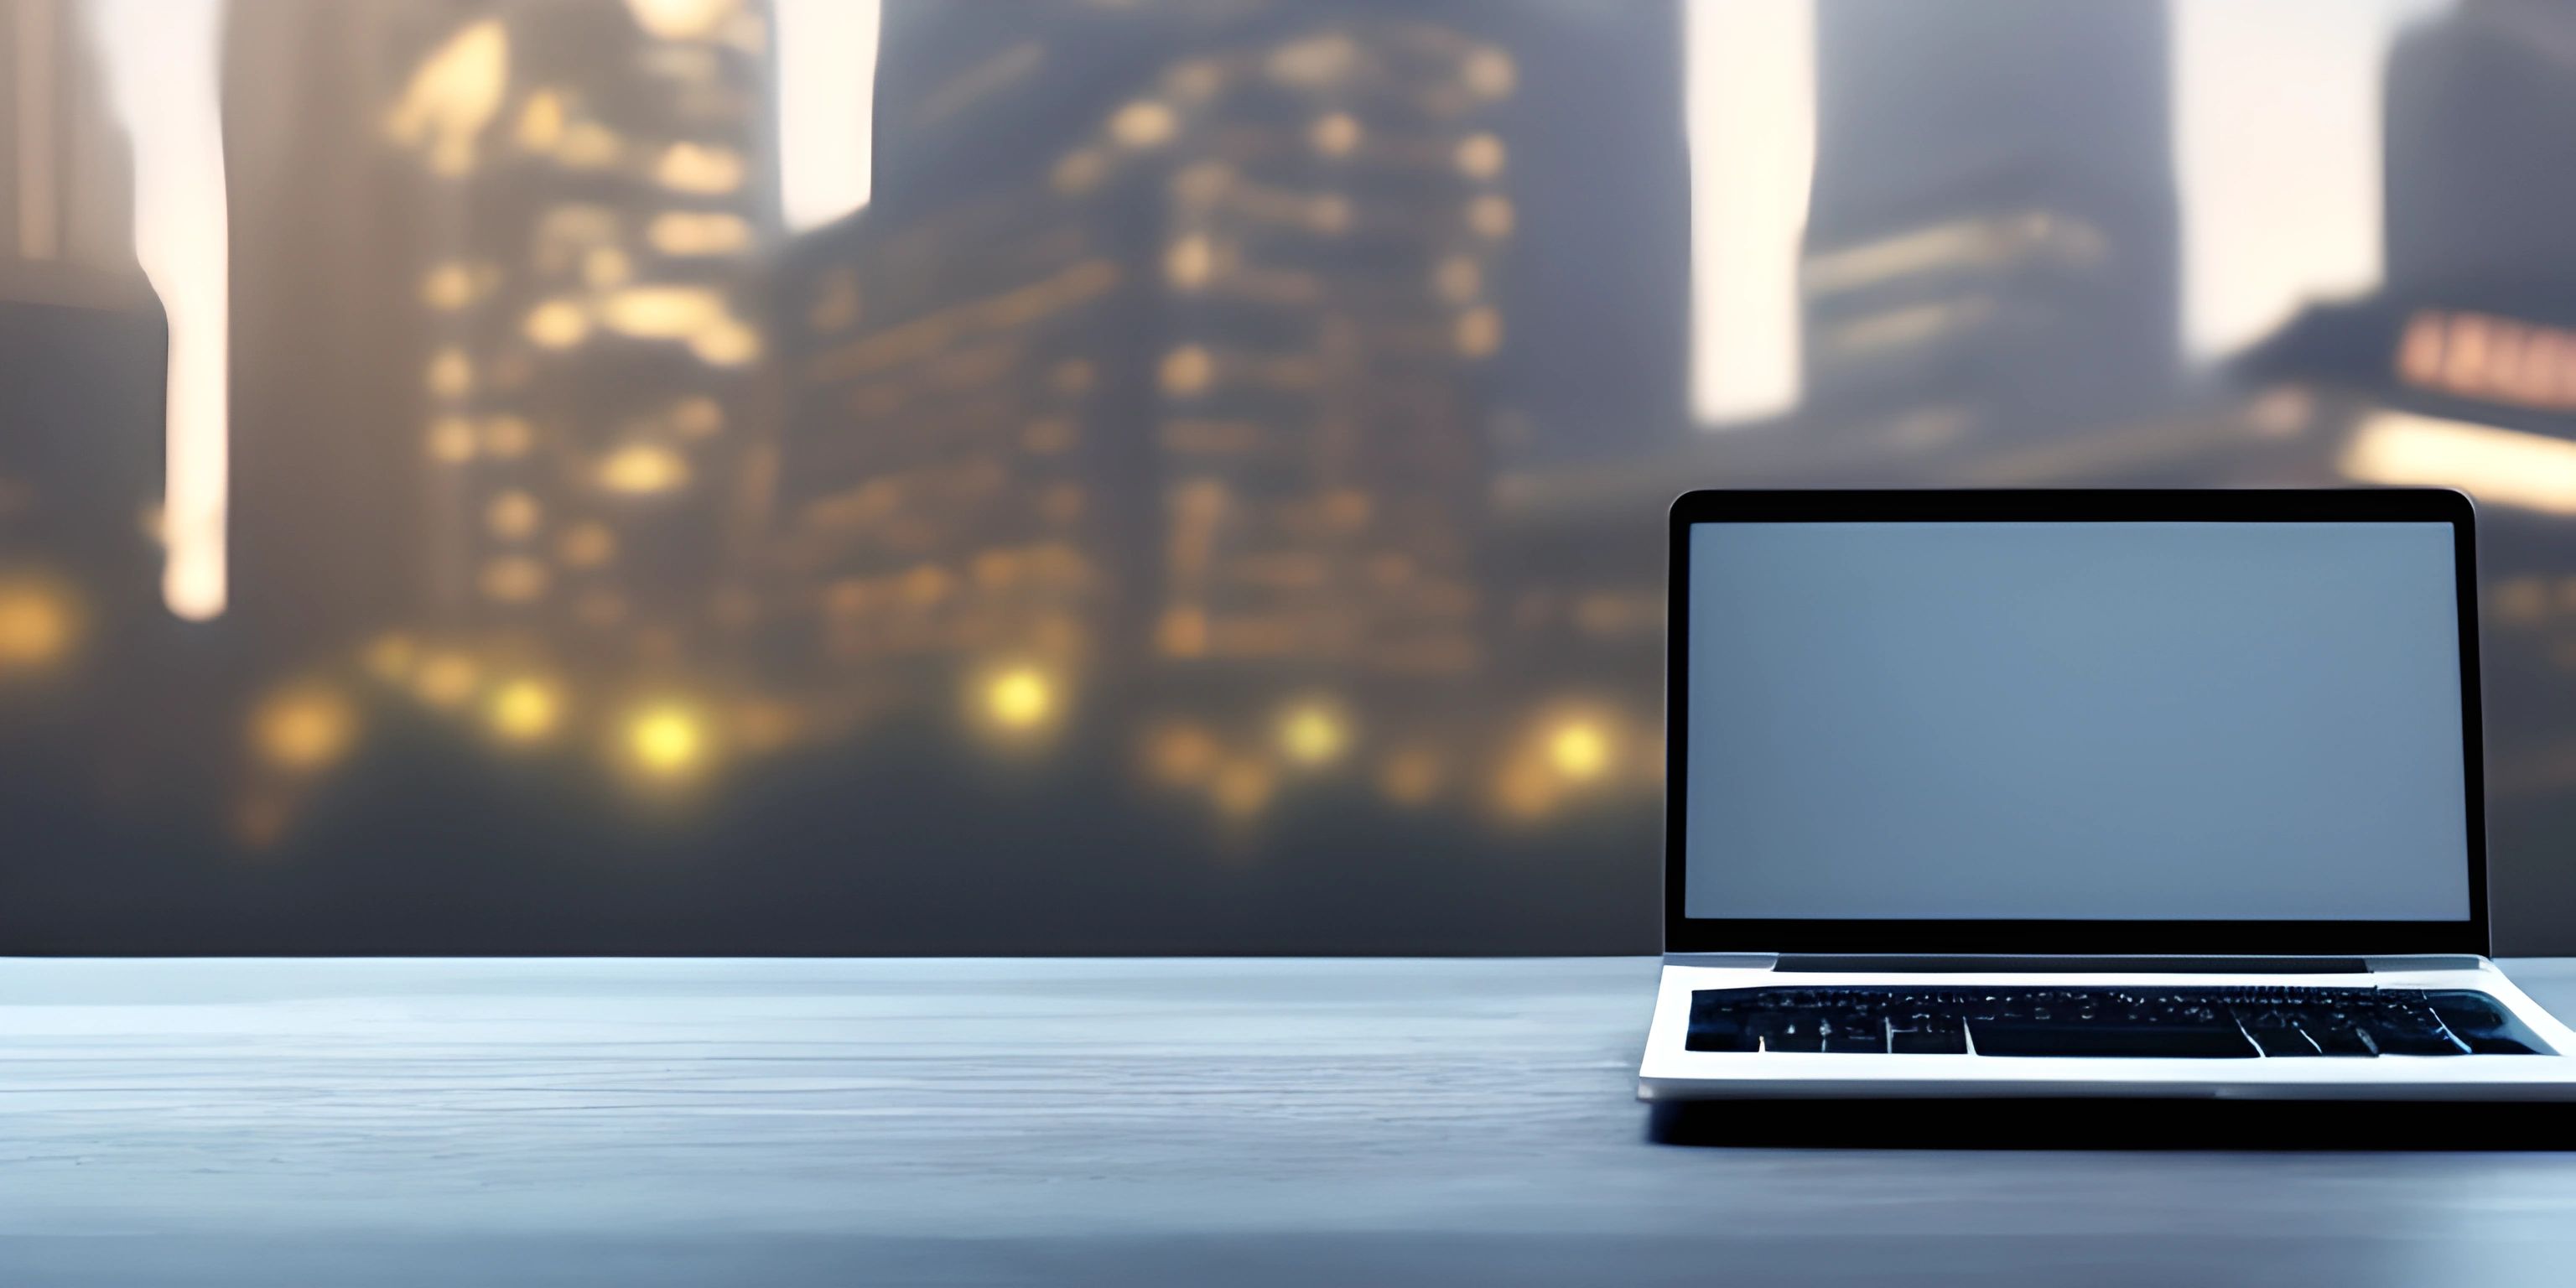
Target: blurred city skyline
column 2276, row 144
column 758, row 474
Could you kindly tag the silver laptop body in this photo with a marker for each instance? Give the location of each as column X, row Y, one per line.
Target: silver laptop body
column 2163, row 794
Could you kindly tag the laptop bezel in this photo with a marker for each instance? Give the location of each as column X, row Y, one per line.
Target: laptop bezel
column 1684, row 934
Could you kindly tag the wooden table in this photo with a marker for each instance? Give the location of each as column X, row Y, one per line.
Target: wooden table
column 1239, row 1122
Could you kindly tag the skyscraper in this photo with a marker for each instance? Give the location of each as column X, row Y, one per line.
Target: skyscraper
column 1990, row 253
column 499, row 377
column 1170, row 362
column 67, row 185
column 1185, row 340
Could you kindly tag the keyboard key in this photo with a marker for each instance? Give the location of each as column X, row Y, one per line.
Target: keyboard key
column 2161, row 1040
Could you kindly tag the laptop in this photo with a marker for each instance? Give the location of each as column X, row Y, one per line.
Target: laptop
column 2168, row 794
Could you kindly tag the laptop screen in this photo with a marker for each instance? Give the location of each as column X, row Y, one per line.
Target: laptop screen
column 2131, row 721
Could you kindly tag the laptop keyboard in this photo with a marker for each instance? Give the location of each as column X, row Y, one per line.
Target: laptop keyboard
column 2235, row 1022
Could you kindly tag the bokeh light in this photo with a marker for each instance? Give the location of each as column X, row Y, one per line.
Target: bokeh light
column 1019, row 698
column 525, row 710
column 666, row 740
column 305, row 728
column 1314, row 733
column 39, row 625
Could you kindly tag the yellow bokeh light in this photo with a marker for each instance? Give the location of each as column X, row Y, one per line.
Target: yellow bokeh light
column 1189, row 262
column 681, row 233
column 305, row 728
column 1334, row 134
column 726, row 344
column 1187, row 370
column 1490, row 73
column 38, row 626
column 513, row 516
column 450, row 286
column 663, row 312
column 681, row 19
column 589, row 145
column 446, row 679
column 606, row 266
column 643, row 469
column 451, row 440
column 1314, row 733
column 1020, row 697
column 557, row 324
column 525, row 710
column 541, row 121
column 666, row 740
column 699, row 168
column 1579, row 750
column 1144, row 123
column 452, row 95
column 1490, row 216
column 1480, row 156
column 1478, row 333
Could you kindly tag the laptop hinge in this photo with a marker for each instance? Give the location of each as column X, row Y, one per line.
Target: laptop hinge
column 1925, row 963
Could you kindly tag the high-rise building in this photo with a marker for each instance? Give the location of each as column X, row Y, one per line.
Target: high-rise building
column 598, row 177
column 2478, row 194
column 497, row 364
column 1174, row 355
column 66, row 175
column 1991, row 249
column 81, row 337
column 1178, row 356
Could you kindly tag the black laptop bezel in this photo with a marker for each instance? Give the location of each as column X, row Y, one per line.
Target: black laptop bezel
column 1684, row 934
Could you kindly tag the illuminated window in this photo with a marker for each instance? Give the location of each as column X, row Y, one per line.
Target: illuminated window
column 541, row 121
column 451, row 440
column 452, row 96
column 557, row 324
column 643, row 469
column 1188, row 263
column 1490, row 73
column 1143, row 124
column 699, row 168
column 682, row 233
column 512, row 516
column 305, row 728
column 1478, row 333
column 682, row 19
column 1334, row 134
column 1480, row 156
column 1187, row 370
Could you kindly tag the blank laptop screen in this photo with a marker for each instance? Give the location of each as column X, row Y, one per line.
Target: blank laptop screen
column 2077, row 721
